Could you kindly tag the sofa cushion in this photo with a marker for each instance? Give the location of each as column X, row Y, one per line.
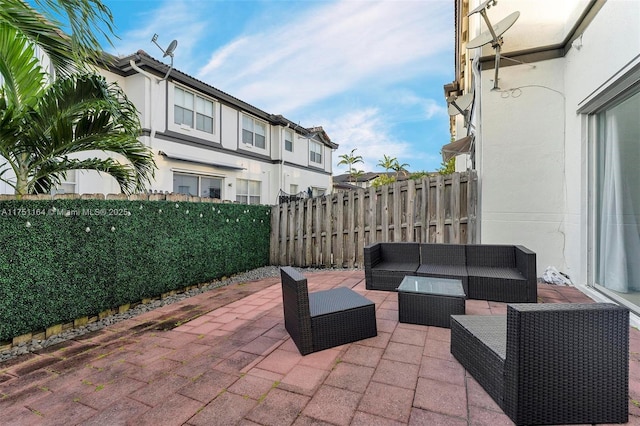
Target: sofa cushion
column 437, row 270
column 443, row 254
column 400, row 252
column 336, row 299
column 496, row 256
column 490, row 272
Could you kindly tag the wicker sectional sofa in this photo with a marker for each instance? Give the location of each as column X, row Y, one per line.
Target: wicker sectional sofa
column 502, row 273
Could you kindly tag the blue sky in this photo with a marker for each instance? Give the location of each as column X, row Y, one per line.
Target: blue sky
column 371, row 73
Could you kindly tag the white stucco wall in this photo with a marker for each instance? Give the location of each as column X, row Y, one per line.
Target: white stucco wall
column 533, row 153
column 597, row 65
column 521, row 160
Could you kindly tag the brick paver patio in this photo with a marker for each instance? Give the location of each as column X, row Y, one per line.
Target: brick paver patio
column 224, row 358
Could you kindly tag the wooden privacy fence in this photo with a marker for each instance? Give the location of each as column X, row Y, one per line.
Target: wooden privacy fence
column 332, row 231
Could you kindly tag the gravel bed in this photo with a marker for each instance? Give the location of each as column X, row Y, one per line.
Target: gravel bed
column 35, row 344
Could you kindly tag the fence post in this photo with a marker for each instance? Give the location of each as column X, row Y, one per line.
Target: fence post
column 455, row 208
column 308, row 232
column 472, row 205
column 327, row 253
column 275, row 235
column 339, row 247
column 373, row 217
column 360, row 224
column 410, row 212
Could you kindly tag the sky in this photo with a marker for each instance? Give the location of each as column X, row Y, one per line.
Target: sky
column 371, row 73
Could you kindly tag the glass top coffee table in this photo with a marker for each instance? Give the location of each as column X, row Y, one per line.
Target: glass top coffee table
column 430, row 300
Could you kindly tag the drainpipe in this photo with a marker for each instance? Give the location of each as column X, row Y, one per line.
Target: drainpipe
column 151, row 78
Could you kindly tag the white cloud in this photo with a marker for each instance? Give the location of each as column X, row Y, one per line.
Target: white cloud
column 330, row 48
column 180, row 20
column 370, row 134
column 426, row 108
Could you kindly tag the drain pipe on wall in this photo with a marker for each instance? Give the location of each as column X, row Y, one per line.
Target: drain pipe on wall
column 151, row 78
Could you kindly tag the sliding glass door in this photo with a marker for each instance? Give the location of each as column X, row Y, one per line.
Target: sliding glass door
column 617, row 200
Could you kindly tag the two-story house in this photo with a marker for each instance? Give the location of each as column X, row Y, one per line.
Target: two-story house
column 554, row 127
column 208, row 143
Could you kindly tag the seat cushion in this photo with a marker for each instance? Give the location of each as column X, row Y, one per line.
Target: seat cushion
column 490, row 272
column 335, row 300
column 453, row 270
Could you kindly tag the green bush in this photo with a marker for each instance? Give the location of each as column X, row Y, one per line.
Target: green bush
column 66, row 259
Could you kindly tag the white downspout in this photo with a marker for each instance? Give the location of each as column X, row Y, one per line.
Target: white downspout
column 151, row 78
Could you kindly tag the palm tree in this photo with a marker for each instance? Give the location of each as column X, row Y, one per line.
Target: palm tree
column 42, row 125
column 399, row 168
column 350, row 160
column 387, row 162
column 392, row 163
column 87, row 19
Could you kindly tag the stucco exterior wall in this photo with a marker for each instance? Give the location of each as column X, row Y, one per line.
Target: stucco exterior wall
column 602, row 55
column 521, row 160
column 534, row 153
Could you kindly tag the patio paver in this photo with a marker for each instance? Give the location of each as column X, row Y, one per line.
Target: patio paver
column 224, row 357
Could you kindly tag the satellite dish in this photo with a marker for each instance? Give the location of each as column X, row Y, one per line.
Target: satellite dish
column 484, row 5
column 168, row 52
column 171, row 48
column 493, row 35
column 460, row 104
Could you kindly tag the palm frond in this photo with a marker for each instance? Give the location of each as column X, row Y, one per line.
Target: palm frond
column 52, row 173
column 80, row 114
column 22, row 74
column 66, row 52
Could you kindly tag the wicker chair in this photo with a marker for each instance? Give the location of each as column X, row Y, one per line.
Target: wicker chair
column 324, row 319
column 550, row 363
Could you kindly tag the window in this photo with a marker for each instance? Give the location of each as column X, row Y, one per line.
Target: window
column 206, row 187
column 253, row 132
column 204, row 115
column 617, row 201
column 317, row 192
column 315, row 152
column 293, row 189
column 248, row 191
column 288, row 140
column 189, row 108
column 68, row 184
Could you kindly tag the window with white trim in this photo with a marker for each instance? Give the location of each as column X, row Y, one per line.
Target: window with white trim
column 197, row 186
column 248, row 191
column 317, row 191
column 68, row 184
column 254, row 132
column 288, row 140
column 315, row 152
column 190, row 109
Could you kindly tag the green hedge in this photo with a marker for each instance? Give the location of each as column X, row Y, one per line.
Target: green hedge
column 66, row 259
